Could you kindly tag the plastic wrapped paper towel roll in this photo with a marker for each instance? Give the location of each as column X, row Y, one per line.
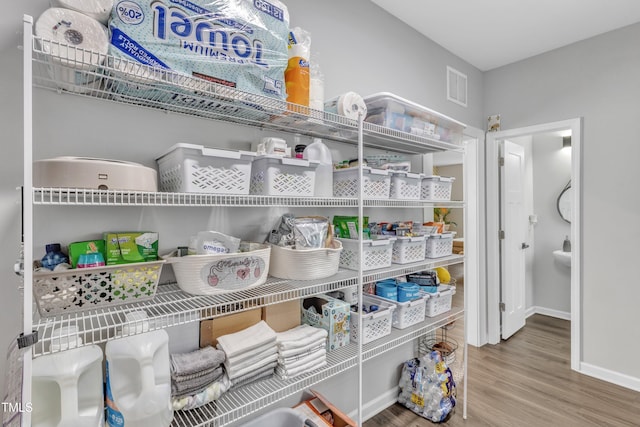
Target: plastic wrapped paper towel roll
column 349, row 104
column 99, row 10
column 78, row 45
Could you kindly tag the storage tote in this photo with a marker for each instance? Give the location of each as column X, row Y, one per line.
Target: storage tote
column 436, row 188
column 190, row 168
column 408, row 249
column 376, row 253
column 440, row 301
column 274, row 175
column 439, row 245
column 408, row 313
column 307, row 264
column 220, row 273
column 406, row 185
column 376, row 183
column 79, row 289
column 375, row 324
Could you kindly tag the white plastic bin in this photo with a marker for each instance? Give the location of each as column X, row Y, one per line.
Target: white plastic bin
column 408, row 313
column 376, row 254
column 440, row 302
column 190, row 168
column 437, row 188
column 376, row 183
column 376, row 324
column 308, row 264
column 280, row 417
column 406, row 185
column 439, row 245
column 274, row 175
column 408, row 249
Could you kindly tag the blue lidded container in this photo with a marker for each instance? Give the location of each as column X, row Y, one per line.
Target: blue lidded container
column 387, row 289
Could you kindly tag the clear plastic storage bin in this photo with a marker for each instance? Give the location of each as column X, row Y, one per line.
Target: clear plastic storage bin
column 436, row 188
column 190, row 168
column 376, row 183
column 273, row 175
column 406, row 185
column 376, row 324
column 376, row 254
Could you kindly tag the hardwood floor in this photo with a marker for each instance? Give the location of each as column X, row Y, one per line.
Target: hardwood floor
column 527, row 381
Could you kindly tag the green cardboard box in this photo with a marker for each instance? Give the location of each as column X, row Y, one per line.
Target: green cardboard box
column 78, row 248
column 131, row 246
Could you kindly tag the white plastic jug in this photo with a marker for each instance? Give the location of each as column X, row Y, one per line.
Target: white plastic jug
column 324, row 173
column 139, row 381
column 67, row 386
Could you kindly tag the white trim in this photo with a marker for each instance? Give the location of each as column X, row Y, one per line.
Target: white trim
column 608, row 375
column 379, row 404
column 493, row 253
column 564, row 315
column 530, row 312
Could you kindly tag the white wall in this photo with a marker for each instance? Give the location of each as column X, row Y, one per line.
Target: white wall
column 597, row 79
column 361, row 48
column 551, row 172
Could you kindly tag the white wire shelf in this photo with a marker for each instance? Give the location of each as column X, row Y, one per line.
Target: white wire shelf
column 126, row 82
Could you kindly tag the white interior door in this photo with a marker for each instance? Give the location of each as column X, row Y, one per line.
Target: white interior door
column 513, row 245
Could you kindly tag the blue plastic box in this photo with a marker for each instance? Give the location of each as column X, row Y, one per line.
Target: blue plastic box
column 408, row 292
column 387, row 289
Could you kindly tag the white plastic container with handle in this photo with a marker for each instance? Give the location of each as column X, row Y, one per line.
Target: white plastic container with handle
column 67, row 385
column 139, row 381
column 324, row 173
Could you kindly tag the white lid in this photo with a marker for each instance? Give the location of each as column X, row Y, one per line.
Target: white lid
column 65, row 338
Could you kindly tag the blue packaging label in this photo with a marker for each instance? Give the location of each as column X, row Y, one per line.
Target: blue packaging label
column 114, row 417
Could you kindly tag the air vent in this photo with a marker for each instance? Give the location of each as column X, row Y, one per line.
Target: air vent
column 456, row 86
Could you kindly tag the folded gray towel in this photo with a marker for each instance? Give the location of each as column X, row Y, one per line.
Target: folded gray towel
column 199, row 360
column 195, row 385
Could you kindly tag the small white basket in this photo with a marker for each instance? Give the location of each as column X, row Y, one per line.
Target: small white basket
column 439, row 245
column 436, row 188
column 408, row 249
column 406, row 185
column 308, row 264
column 377, row 183
column 376, row 324
column 376, row 253
column 274, row 175
column 216, row 274
column 193, row 168
column 440, row 302
column 79, row 289
column 408, row 313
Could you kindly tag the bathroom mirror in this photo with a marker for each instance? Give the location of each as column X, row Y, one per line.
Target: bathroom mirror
column 564, row 203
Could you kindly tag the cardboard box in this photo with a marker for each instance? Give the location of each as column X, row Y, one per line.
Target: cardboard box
column 282, row 316
column 128, row 247
column 211, row 329
column 319, row 410
column 78, row 248
column 330, row 314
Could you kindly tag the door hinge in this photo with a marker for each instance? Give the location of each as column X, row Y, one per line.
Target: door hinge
column 501, row 234
column 503, row 308
column 501, row 161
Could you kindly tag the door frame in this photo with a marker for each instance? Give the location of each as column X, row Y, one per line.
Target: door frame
column 493, row 228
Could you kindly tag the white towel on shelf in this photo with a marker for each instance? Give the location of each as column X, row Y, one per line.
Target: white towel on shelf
column 264, row 350
column 260, row 374
column 293, row 363
column 285, row 373
column 235, row 373
column 251, row 361
column 322, row 343
column 246, row 339
column 300, row 336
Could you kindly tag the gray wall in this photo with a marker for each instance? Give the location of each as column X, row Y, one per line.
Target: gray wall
column 361, row 48
column 551, row 172
column 597, row 79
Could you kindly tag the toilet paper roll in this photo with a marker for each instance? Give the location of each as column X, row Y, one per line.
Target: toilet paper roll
column 78, row 45
column 349, row 104
column 99, row 10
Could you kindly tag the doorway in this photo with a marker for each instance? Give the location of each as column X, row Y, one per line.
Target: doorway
column 493, row 143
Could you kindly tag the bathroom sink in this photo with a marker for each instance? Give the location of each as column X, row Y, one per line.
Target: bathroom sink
column 563, row 257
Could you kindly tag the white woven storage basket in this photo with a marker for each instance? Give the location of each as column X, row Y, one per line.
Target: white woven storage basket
column 307, row 264
column 193, row 168
column 406, row 185
column 79, row 289
column 408, row 313
column 376, row 254
column 273, row 175
column 440, row 302
column 439, row 245
column 377, row 183
column 376, row 324
column 215, row 274
column 408, row 249
column 436, row 188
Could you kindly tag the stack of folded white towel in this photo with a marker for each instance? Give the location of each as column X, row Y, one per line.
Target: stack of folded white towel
column 301, row 350
column 251, row 354
column 197, row 378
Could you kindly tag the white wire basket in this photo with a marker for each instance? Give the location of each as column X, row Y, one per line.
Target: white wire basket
column 407, row 313
column 308, row 264
column 376, row 254
column 375, row 324
column 376, row 183
column 221, row 273
column 406, row 185
column 408, row 249
column 80, row 289
column 273, row 175
column 436, row 188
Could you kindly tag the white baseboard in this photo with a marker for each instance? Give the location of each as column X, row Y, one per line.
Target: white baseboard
column 610, row 376
column 547, row 312
column 377, row 405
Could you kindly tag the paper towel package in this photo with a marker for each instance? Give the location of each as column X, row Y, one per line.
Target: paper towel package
column 99, row 10
column 240, row 44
